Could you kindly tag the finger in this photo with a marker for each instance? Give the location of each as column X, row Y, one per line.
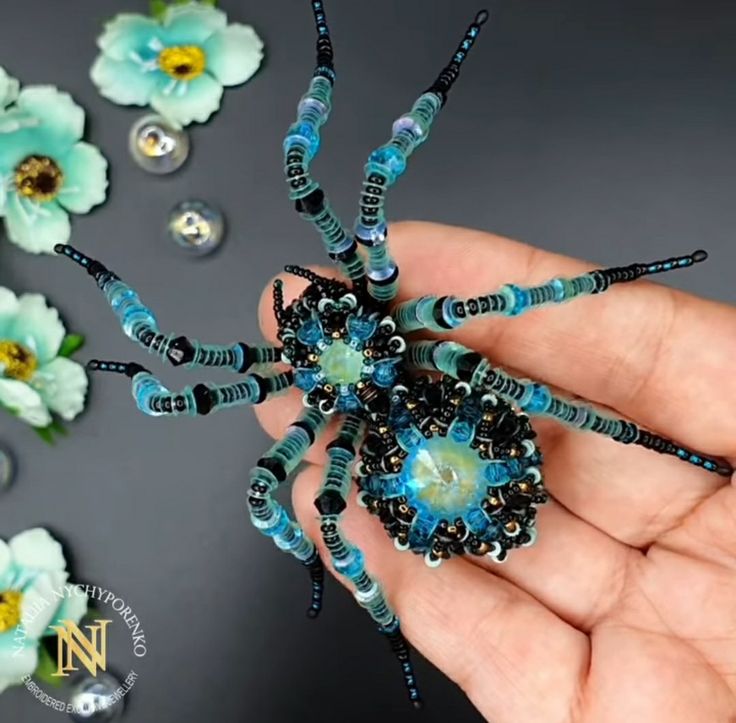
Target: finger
column 515, row 659
column 658, row 356
column 574, row 569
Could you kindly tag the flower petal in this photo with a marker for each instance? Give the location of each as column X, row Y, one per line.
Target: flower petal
column 24, row 402
column 41, row 599
column 74, row 607
column 37, row 326
column 61, row 118
column 85, row 178
column 62, row 384
column 8, row 309
column 185, row 103
column 234, row 54
column 6, row 566
column 192, row 24
column 36, row 228
column 9, row 88
column 127, row 33
column 37, row 550
column 123, row 81
column 16, row 661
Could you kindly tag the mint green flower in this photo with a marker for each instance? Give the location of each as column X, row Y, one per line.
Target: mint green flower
column 33, row 599
column 178, row 65
column 46, row 171
column 35, row 381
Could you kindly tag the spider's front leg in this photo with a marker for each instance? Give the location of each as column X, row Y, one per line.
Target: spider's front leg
column 139, row 324
column 300, row 147
column 442, row 313
column 270, row 517
column 347, row 559
column 537, row 400
column 388, row 162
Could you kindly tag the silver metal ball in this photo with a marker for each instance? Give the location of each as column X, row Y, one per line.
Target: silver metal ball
column 7, row 469
column 197, row 226
column 91, row 699
column 157, row 146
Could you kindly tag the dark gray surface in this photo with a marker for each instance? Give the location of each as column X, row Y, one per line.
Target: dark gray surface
column 603, row 130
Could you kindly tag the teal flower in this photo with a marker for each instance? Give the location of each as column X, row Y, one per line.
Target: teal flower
column 33, row 599
column 35, row 380
column 46, row 170
column 179, row 64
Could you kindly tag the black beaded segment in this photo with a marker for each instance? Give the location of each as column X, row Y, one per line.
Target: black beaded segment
column 446, row 79
column 401, row 650
column 317, row 576
column 129, row 369
column 652, row 441
column 325, row 53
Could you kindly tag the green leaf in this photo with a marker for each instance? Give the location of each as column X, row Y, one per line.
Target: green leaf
column 10, row 410
column 46, row 433
column 72, row 343
column 158, row 8
column 213, row 3
column 57, row 427
column 47, row 667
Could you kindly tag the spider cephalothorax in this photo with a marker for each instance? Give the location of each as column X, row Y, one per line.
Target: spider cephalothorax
column 342, row 346
column 452, row 471
column 449, row 466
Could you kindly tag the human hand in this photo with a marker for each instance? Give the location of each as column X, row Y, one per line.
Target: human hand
column 624, row 608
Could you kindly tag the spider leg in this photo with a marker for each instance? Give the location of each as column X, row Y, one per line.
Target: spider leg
column 440, row 313
column 388, row 162
column 154, row 399
column 270, row 517
column 537, row 400
column 300, row 147
column 139, row 324
column 347, row 559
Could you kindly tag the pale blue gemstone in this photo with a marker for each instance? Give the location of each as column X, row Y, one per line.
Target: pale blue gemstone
column 341, row 364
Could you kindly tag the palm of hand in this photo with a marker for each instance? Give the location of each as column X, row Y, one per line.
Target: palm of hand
column 623, row 610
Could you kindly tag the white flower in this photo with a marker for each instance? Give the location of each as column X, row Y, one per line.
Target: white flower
column 33, row 599
column 34, row 380
column 179, row 64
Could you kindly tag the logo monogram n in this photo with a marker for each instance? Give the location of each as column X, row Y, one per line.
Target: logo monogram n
column 73, row 644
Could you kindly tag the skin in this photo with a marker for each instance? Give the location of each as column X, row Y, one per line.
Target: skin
column 624, row 609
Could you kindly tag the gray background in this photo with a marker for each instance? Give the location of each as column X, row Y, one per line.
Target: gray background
column 600, row 129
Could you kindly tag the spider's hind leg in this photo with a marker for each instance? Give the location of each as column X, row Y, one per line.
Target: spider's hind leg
column 139, row 324
column 347, row 559
column 156, row 400
column 270, row 517
column 442, row 313
column 388, row 162
column 537, row 400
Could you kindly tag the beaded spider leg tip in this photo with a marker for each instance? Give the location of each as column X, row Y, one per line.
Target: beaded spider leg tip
column 448, row 461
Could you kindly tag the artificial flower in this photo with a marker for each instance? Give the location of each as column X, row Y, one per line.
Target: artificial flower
column 9, row 89
column 46, row 170
column 33, row 599
column 178, row 63
column 36, row 377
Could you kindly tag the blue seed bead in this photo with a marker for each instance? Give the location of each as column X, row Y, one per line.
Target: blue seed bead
column 310, row 332
column 461, row 431
column 421, row 531
column 305, row 379
column 540, row 400
column 477, row 521
column 391, row 158
column 515, row 468
column 352, row 565
column 497, row 474
column 384, row 374
column 305, row 135
column 361, row 328
column 371, row 236
column 409, row 124
column 522, row 300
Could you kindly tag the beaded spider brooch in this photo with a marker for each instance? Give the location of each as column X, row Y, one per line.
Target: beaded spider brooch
column 448, row 464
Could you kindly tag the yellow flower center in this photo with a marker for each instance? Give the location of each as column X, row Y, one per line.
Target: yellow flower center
column 10, row 615
column 16, row 361
column 183, row 62
column 39, row 178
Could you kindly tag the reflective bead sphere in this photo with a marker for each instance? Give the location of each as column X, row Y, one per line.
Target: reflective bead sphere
column 92, row 700
column 157, row 146
column 197, row 227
